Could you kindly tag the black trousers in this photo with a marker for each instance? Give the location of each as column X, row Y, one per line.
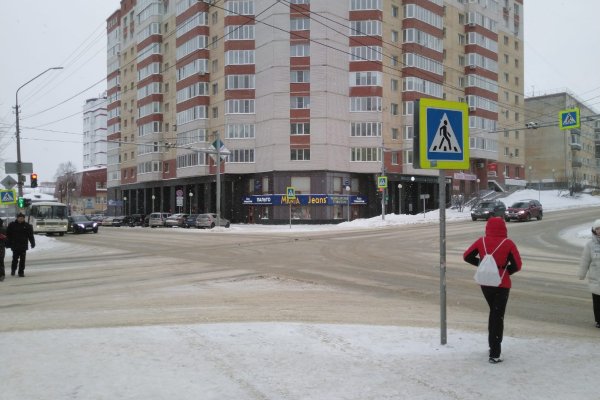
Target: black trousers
column 596, row 300
column 18, row 258
column 496, row 298
column 2, row 254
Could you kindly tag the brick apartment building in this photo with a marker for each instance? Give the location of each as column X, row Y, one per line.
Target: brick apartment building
column 313, row 94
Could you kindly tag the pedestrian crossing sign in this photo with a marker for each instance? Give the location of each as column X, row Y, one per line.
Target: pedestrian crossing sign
column 291, row 193
column 8, row 197
column 443, row 135
column 569, row 119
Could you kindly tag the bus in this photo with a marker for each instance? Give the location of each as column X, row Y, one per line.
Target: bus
column 48, row 217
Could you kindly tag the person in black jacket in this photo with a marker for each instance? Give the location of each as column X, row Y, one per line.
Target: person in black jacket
column 2, row 248
column 20, row 235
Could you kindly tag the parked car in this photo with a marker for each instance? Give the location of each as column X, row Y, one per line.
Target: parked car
column 157, row 219
column 134, row 220
column 97, row 218
column 524, row 210
column 176, row 220
column 107, row 221
column 487, row 209
column 190, row 221
column 118, row 221
column 210, row 221
column 81, row 224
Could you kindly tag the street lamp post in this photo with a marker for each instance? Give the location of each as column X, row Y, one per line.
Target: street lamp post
column 399, row 199
column 553, row 179
column 20, row 177
column 191, row 195
column 153, row 197
column 125, row 205
column 348, row 190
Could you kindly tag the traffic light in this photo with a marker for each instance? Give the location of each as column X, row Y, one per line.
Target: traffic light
column 22, row 202
column 33, row 178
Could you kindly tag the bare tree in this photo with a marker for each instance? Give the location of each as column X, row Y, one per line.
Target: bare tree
column 65, row 178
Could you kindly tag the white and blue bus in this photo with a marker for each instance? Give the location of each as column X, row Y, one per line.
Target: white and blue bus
column 48, row 217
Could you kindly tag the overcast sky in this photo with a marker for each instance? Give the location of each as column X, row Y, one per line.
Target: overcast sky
column 561, row 52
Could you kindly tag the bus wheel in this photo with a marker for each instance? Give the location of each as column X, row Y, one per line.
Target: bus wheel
column 61, row 234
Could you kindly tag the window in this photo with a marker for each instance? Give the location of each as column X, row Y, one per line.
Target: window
column 300, row 50
column 395, row 11
column 407, row 156
column 300, row 76
column 299, row 102
column 366, row 78
column 299, row 24
column 365, row 5
column 239, row 57
column 408, row 132
column 239, row 131
column 239, row 106
column 365, row 154
column 366, row 53
column 395, row 158
column 215, row 112
column 241, row 156
column 239, row 7
column 394, row 133
column 365, row 129
column 239, row 82
column 365, row 28
column 300, row 154
column 394, row 85
column 239, row 32
column 395, row 36
column 395, row 61
column 407, row 108
column 365, row 104
column 394, row 109
column 301, row 128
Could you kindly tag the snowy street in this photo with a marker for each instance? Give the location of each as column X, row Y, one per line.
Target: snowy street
column 316, row 312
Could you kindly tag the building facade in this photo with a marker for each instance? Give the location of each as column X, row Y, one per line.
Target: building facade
column 565, row 159
column 94, row 133
column 317, row 95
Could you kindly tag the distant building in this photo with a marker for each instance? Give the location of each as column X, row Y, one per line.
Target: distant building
column 561, row 158
column 94, row 133
column 84, row 192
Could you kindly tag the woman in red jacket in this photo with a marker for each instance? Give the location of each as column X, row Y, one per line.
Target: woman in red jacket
column 508, row 259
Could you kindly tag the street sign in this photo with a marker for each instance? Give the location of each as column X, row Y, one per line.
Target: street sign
column 291, row 193
column 8, row 182
column 442, row 141
column 11, row 168
column 424, row 196
column 382, row 182
column 8, row 197
column 569, row 119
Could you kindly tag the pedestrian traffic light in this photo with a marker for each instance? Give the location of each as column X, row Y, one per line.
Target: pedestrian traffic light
column 33, row 178
column 22, row 202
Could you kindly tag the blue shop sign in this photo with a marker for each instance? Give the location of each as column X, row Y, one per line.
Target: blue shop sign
column 303, row 200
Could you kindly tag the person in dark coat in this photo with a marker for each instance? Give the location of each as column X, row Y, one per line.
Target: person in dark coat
column 507, row 259
column 2, row 248
column 20, row 235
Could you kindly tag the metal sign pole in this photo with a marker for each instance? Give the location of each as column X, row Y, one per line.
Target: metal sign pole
column 290, row 215
column 442, row 202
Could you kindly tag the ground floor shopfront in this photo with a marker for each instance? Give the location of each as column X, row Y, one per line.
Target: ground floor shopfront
column 323, row 197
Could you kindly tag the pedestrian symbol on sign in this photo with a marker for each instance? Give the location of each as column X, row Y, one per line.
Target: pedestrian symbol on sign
column 445, row 139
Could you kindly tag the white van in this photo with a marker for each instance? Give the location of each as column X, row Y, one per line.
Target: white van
column 157, row 219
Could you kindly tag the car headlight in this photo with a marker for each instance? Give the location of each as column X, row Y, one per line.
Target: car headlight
column 522, row 212
column 80, row 225
column 486, row 212
column 94, row 224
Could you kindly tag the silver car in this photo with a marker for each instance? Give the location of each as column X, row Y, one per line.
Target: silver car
column 157, row 219
column 210, row 221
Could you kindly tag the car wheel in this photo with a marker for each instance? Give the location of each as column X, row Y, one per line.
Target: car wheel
column 474, row 219
column 61, row 234
column 528, row 217
column 506, row 219
column 95, row 230
column 212, row 225
column 540, row 216
column 227, row 226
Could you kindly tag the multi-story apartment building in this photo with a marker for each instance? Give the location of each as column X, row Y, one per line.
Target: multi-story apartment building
column 566, row 159
column 312, row 94
column 94, row 133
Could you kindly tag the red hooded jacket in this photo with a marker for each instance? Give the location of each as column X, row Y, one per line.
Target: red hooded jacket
column 506, row 256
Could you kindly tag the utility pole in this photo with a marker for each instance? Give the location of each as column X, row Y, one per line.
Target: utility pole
column 20, row 177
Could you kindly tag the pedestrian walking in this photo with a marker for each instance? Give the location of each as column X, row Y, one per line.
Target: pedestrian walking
column 20, row 235
column 590, row 266
column 2, row 248
column 507, row 259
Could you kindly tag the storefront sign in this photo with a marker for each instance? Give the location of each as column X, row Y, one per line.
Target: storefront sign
column 303, row 200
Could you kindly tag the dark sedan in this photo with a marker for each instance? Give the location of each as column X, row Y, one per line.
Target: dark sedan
column 81, row 224
column 190, row 221
column 487, row 209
